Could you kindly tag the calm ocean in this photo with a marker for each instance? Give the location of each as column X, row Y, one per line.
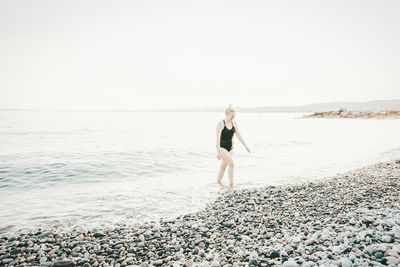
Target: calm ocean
column 64, row 169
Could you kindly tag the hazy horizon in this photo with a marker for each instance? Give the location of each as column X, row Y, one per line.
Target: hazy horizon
column 100, row 55
column 241, row 108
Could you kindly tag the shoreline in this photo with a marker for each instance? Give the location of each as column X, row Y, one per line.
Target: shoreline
column 349, row 219
column 384, row 114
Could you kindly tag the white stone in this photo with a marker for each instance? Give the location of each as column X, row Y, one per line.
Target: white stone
column 290, row 263
column 215, row 263
column 344, row 262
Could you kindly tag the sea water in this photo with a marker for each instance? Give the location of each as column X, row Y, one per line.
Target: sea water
column 91, row 169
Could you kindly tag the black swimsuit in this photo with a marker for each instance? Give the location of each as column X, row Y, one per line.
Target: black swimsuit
column 226, row 137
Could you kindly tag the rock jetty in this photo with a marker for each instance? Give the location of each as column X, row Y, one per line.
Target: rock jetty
column 355, row 114
column 352, row 219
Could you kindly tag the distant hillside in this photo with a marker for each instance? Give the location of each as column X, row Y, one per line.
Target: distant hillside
column 378, row 105
column 318, row 107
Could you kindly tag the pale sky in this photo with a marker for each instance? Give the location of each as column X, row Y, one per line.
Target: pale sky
column 159, row 54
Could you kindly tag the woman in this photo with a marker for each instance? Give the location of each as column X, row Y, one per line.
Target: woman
column 225, row 130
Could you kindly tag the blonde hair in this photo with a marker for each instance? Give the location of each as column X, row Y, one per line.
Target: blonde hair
column 230, row 108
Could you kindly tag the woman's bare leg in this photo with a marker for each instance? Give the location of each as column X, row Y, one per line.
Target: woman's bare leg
column 221, row 173
column 230, row 169
column 227, row 157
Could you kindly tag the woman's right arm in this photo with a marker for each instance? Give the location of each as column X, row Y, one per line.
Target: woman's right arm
column 219, row 130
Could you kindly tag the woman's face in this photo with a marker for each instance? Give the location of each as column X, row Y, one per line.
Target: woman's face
column 230, row 115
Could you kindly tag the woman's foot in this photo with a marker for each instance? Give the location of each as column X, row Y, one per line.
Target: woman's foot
column 221, row 184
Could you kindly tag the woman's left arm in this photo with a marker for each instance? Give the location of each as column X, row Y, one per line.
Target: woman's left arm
column 240, row 137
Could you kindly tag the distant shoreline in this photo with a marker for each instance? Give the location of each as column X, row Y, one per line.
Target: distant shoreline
column 373, row 106
column 356, row 114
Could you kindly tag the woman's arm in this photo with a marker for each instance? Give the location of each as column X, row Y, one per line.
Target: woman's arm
column 240, row 137
column 218, row 132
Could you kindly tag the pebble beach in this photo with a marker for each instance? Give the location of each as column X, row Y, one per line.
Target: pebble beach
column 351, row 219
